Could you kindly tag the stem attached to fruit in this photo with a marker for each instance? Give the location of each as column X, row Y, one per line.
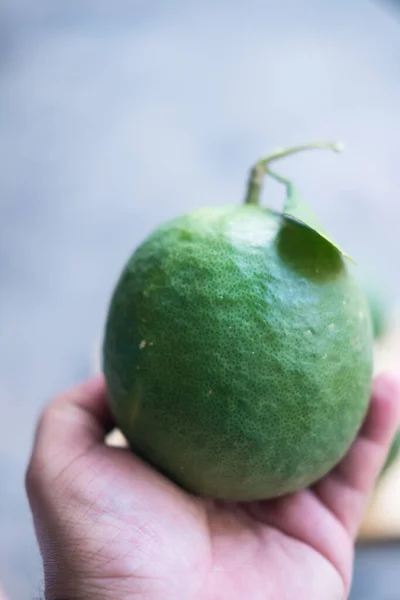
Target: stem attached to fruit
column 261, row 168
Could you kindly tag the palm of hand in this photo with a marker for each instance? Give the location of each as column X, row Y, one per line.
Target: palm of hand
column 110, row 526
column 155, row 539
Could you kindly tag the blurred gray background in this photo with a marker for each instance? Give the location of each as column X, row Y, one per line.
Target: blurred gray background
column 115, row 116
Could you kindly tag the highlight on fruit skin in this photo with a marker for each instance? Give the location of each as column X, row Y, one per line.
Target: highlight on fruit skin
column 238, row 348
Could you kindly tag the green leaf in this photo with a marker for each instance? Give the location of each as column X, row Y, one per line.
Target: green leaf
column 297, row 209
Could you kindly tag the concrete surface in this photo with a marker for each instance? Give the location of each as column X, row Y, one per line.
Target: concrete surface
column 115, row 116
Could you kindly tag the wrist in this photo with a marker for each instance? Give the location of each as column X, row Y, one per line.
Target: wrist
column 79, row 589
column 75, row 590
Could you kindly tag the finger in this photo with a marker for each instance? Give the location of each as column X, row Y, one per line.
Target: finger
column 303, row 517
column 71, row 424
column 345, row 491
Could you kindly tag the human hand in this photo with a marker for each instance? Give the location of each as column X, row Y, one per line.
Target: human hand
column 109, row 526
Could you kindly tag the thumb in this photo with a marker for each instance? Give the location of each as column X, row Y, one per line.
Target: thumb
column 69, row 426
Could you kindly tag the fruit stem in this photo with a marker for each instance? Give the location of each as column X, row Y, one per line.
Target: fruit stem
column 261, row 167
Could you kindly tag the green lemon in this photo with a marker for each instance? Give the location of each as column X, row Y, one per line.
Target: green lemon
column 238, row 348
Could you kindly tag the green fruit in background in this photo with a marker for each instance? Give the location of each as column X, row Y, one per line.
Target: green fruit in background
column 379, row 311
column 238, row 348
column 380, row 314
column 393, row 454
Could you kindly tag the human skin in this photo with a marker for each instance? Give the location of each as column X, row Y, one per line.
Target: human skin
column 109, row 526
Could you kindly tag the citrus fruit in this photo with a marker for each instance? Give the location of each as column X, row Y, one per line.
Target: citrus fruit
column 238, row 348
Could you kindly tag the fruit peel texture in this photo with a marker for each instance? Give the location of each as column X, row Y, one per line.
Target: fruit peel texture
column 238, row 353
